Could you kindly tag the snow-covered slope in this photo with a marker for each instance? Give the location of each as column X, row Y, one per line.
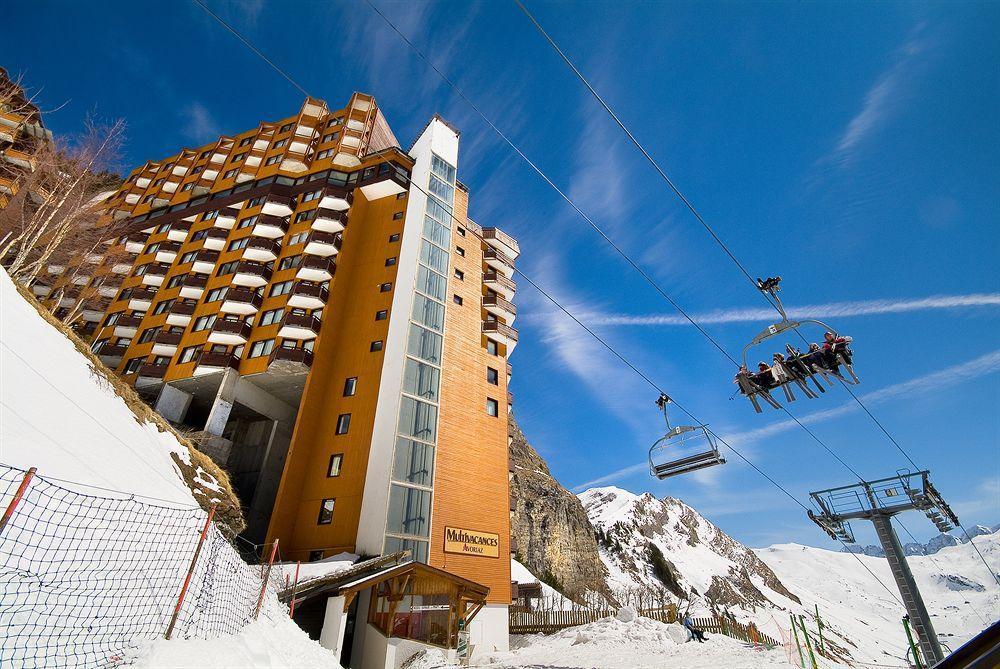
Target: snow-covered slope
column 59, row 415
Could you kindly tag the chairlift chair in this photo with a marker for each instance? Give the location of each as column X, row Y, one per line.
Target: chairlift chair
column 681, row 437
column 795, row 370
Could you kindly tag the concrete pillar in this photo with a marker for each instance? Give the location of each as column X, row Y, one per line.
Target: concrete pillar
column 266, row 490
column 173, row 403
column 334, row 625
column 218, row 416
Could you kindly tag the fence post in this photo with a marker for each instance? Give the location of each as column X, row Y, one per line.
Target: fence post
column 795, row 631
column 18, row 496
column 190, row 572
column 267, row 576
column 805, row 634
column 295, row 585
column 819, row 625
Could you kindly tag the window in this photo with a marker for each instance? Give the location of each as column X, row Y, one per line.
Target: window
column 325, row 512
column 162, row 306
column 375, row 346
column 413, row 462
column 421, row 380
column 460, row 251
column 459, row 274
column 238, row 244
column 210, row 215
column 297, row 238
column 394, row 238
column 325, row 153
column 227, row 268
column 381, row 315
column 492, row 407
column 329, row 137
column 461, row 230
column 133, row 365
column 272, row 160
column 271, row 317
column 286, row 127
column 148, row 335
column 336, row 460
column 188, row 257
column 315, row 555
column 280, row 143
column 245, row 141
column 256, row 202
column 343, row 423
column 290, row 262
column 261, row 348
column 281, row 288
column 492, row 376
column 457, row 299
column 176, row 280
column 230, row 173
column 424, row 344
column 491, row 347
column 389, row 262
column 216, row 294
column 350, row 386
column 309, row 197
column 400, row 196
column 409, row 511
column 397, row 216
column 247, row 222
column 188, row 186
column 203, row 323
column 384, row 287
column 188, row 354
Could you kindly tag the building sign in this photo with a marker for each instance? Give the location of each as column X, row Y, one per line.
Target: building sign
column 470, row 542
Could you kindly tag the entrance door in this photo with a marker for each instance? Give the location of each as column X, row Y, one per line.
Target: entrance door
column 352, row 617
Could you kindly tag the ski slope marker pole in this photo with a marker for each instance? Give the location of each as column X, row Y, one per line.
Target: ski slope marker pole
column 267, row 576
column 819, row 625
column 18, row 496
column 295, row 585
column 913, row 646
column 805, row 634
column 795, row 631
column 190, row 573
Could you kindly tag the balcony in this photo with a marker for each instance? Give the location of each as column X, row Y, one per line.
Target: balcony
column 141, row 299
column 166, row 343
column 242, row 301
column 111, row 354
column 152, row 372
column 316, row 269
column 270, row 227
column 20, row 158
column 179, row 231
column 167, row 252
column 41, row 290
column 382, row 181
column 127, row 326
column 336, row 199
column 307, row 296
column 93, row 310
column 299, row 326
column 500, row 308
column 251, row 274
column 262, row 250
column 180, row 313
column 499, row 262
column 135, row 244
column 229, row 332
column 205, row 261
column 278, row 205
column 121, row 268
column 225, row 220
column 501, row 241
column 214, row 361
column 215, row 239
column 329, row 220
column 501, row 334
column 499, row 284
column 193, row 287
column 143, row 182
column 156, row 274
column 322, row 244
column 290, row 359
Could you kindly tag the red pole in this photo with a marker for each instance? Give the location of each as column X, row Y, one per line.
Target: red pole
column 291, row 609
column 18, row 496
column 267, row 575
column 190, row 572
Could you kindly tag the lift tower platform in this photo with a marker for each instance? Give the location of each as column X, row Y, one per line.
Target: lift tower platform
column 878, row 501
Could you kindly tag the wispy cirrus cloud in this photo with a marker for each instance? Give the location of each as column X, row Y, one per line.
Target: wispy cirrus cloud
column 984, row 365
column 828, row 310
column 200, row 124
column 883, row 98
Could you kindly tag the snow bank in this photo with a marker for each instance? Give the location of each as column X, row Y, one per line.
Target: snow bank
column 273, row 641
column 58, row 416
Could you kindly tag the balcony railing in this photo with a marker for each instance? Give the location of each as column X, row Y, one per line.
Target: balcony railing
column 299, row 326
column 215, row 239
column 193, row 286
column 205, row 261
column 278, row 205
column 329, row 220
column 155, row 274
column 229, row 332
column 140, row 299
column 322, row 243
column 149, row 370
column 299, row 356
column 251, row 274
column 499, row 261
column 111, row 354
column 316, row 268
column 306, row 295
column 499, row 306
column 261, row 249
column 500, row 283
column 382, row 180
column 211, row 361
column 179, row 231
column 180, row 313
column 270, row 227
column 241, row 301
column 336, row 198
column 500, row 333
column 500, row 240
column 167, row 252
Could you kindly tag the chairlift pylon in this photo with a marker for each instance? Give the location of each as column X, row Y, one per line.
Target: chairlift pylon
column 682, row 437
column 794, row 368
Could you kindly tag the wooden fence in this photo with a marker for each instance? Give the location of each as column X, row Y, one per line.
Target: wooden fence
column 548, row 622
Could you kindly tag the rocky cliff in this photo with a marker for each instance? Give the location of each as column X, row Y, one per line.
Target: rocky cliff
column 554, row 538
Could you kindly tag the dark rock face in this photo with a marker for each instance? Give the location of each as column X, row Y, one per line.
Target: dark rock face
column 554, row 537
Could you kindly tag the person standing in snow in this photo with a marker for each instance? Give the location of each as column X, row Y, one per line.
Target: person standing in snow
column 696, row 633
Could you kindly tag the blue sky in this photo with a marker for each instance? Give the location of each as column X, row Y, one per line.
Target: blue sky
column 852, row 149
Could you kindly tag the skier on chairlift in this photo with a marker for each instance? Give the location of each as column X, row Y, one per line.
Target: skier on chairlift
column 833, row 347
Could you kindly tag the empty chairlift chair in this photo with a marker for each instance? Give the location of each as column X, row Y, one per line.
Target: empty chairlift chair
column 663, row 456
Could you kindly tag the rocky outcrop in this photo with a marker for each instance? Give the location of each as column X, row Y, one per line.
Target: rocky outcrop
column 554, row 538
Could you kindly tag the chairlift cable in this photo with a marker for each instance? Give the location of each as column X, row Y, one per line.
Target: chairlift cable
column 621, row 357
